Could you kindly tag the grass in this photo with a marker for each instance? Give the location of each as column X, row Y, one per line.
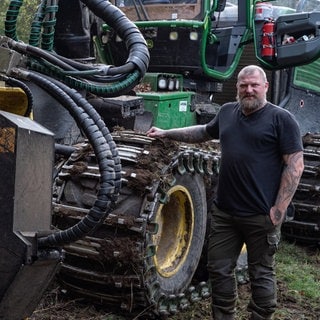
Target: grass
column 298, row 267
column 298, row 282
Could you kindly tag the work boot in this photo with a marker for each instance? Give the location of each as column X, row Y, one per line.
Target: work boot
column 263, row 312
column 256, row 316
column 219, row 315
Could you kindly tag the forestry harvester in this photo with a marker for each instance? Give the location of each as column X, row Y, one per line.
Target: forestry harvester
column 118, row 217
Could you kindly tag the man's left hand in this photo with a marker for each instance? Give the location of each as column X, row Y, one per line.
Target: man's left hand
column 276, row 216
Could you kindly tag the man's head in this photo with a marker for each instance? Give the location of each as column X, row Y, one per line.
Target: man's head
column 252, row 87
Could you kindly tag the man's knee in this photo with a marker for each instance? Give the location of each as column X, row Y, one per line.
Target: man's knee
column 222, row 278
column 223, row 289
column 263, row 281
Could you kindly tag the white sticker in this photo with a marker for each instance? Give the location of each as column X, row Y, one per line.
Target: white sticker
column 183, row 106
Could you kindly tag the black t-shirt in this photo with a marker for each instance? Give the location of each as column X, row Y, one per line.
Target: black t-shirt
column 251, row 156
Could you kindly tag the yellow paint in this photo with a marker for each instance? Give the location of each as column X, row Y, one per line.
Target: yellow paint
column 13, row 100
column 176, row 224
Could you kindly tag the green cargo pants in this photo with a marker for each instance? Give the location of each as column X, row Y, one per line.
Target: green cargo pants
column 227, row 235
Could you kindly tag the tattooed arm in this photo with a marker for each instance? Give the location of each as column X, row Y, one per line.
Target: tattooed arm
column 192, row 134
column 288, row 185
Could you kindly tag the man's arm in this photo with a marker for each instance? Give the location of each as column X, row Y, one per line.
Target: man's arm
column 192, row 134
column 290, row 178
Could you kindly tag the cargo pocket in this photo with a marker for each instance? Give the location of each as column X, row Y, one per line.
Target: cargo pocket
column 273, row 240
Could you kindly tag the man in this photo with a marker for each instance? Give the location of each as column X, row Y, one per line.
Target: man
column 261, row 165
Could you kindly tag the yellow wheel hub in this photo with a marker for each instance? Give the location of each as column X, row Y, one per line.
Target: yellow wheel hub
column 176, row 224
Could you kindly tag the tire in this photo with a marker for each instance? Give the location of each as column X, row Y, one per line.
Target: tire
column 181, row 235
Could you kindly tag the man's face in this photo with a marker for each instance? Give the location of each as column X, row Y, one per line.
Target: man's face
column 251, row 91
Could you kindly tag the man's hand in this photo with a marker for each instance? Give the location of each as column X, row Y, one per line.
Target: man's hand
column 155, row 132
column 276, row 216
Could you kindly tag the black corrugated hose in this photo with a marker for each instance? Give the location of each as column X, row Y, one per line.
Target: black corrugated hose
column 127, row 30
column 16, row 83
column 107, row 161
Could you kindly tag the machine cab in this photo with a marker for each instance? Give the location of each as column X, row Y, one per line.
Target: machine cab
column 204, row 39
column 286, row 40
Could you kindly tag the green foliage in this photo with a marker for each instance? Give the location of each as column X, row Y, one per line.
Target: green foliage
column 26, row 14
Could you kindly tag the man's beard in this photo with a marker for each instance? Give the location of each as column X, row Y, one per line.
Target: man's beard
column 249, row 106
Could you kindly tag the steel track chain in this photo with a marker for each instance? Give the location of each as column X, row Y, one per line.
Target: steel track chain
column 131, row 146
column 305, row 226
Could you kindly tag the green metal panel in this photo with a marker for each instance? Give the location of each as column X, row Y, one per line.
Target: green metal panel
column 308, row 76
column 170, row 109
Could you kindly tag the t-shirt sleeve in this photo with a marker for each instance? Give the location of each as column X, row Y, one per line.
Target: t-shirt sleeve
column 225, row 113
column 290, row 135
column 212, row 127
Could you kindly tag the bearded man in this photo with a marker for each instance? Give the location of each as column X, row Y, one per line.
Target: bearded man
column 261, row 165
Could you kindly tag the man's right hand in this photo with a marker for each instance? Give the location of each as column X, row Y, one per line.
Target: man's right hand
column 155, row 132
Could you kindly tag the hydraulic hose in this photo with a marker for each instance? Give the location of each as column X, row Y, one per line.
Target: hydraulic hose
column 114, row 81
column 106, row 194
column 11, row 19
column 16, row 83
column 44, row 21
column 64, row 150
column 100, row 69
column 48, row 25
column 39, row 53
column 36, row 26
column 90, row 110
column 127, row 30
column 127, row 82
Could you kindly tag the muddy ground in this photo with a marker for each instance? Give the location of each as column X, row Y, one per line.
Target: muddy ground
column 57, row 305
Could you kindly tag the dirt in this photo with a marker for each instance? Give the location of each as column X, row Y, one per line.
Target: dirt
column 58, row 305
